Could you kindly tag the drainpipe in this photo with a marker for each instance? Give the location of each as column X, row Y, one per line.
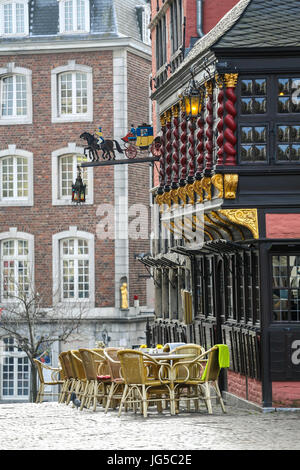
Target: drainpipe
column 200, row 18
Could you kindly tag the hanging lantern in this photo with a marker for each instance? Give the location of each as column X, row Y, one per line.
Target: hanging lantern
column 192, row 99
column 78, row 189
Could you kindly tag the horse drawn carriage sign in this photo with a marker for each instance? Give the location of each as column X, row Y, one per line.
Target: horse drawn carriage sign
column 137, row 141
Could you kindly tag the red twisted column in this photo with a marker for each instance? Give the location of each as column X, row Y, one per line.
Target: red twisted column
column 169, row 151
column 229, row 134
column 220, row 126
column 175, row 166
column 183, row 149
column 191, row 161
column 209, row 129
column 200, row 148
column 162, row 157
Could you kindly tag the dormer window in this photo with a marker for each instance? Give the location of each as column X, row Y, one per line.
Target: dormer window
column 74, row 16
column 14, row 17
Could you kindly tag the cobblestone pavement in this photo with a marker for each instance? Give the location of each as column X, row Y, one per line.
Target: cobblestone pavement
column 56, row 426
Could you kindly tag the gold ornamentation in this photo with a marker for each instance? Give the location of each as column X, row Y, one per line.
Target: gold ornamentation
column 174, row 196
column 217, row 181
column 175, row 110
column 189, row 190
column 163, row 119
column 219, row 80
column 217, row 216
column 124, row 295
column 168, row 115
column 160, row 201
column 231, row 79
column 167, row 199
column 245, row 217
column 197, row 186
column 206, row 185
column 209, row 88
column 182, row 194
column 230, row 186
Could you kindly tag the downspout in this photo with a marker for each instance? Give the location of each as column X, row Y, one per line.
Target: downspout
column 200, row 18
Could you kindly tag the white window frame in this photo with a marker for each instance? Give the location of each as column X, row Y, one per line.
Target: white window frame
column 57, row 239
column 62, row 29
column 57, row 199
column 11, row 70
column 71, row 67
column 146, row 17
column 13, row 234
column 12, row 151
column 15, row 354
column 14, row 18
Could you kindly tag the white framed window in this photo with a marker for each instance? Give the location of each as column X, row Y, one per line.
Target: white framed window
column 16, row 177
column 72, row 94
column 14, row 18
column 15, row 95
column 64, row 173
column 74, row 16
column 16, row 268
column 146, row 17
column 15, row 371
column 73, row 266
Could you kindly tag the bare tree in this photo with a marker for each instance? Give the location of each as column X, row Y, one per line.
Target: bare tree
column 34, row 326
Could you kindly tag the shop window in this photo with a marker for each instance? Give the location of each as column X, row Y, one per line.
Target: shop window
column 269, row 119
column 286, row 288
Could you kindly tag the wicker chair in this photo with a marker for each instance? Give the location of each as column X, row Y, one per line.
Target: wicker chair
column 117, row 382
column 70, row 379
column 201, row 374
column 97, row 383
column 77, row 366
column 55, row 380
column 139, row 387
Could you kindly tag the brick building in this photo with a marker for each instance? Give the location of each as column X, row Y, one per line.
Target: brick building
column 226, row 253
column 69, row 66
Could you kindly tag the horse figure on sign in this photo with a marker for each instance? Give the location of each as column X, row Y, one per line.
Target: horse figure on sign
column 107, row 147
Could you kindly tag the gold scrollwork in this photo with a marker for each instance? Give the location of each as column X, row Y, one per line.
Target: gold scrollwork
column 231, row 79
column 209, row 88
column 245, row 217
column 160, row 201
column 168, row 115
column 217, row 182
column 206, row 185
column 230, row 186
column 182, row 194
column 197, row 186
column 174, row 196
column 189, row 191
column 163, row 119
column 167, row 199
column 175, row 110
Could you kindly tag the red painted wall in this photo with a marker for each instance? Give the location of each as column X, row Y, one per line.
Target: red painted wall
column 249, row 389
column 283, row 225
column 214, row 10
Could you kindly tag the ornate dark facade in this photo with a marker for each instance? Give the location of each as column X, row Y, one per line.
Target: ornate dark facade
column 226, row 257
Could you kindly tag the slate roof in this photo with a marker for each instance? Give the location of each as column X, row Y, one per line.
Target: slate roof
column 108, row 18
column 265, row 23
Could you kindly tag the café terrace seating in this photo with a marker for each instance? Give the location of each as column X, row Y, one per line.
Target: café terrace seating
column 137, row 380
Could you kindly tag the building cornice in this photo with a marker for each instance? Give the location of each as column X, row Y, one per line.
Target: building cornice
column 50, row 45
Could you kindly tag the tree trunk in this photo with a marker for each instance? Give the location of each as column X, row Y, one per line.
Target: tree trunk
column 33, row 383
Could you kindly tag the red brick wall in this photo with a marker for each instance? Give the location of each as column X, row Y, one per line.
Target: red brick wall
column 139, row 70
column 246, row 388
column 42, row 138
column 286, row 394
